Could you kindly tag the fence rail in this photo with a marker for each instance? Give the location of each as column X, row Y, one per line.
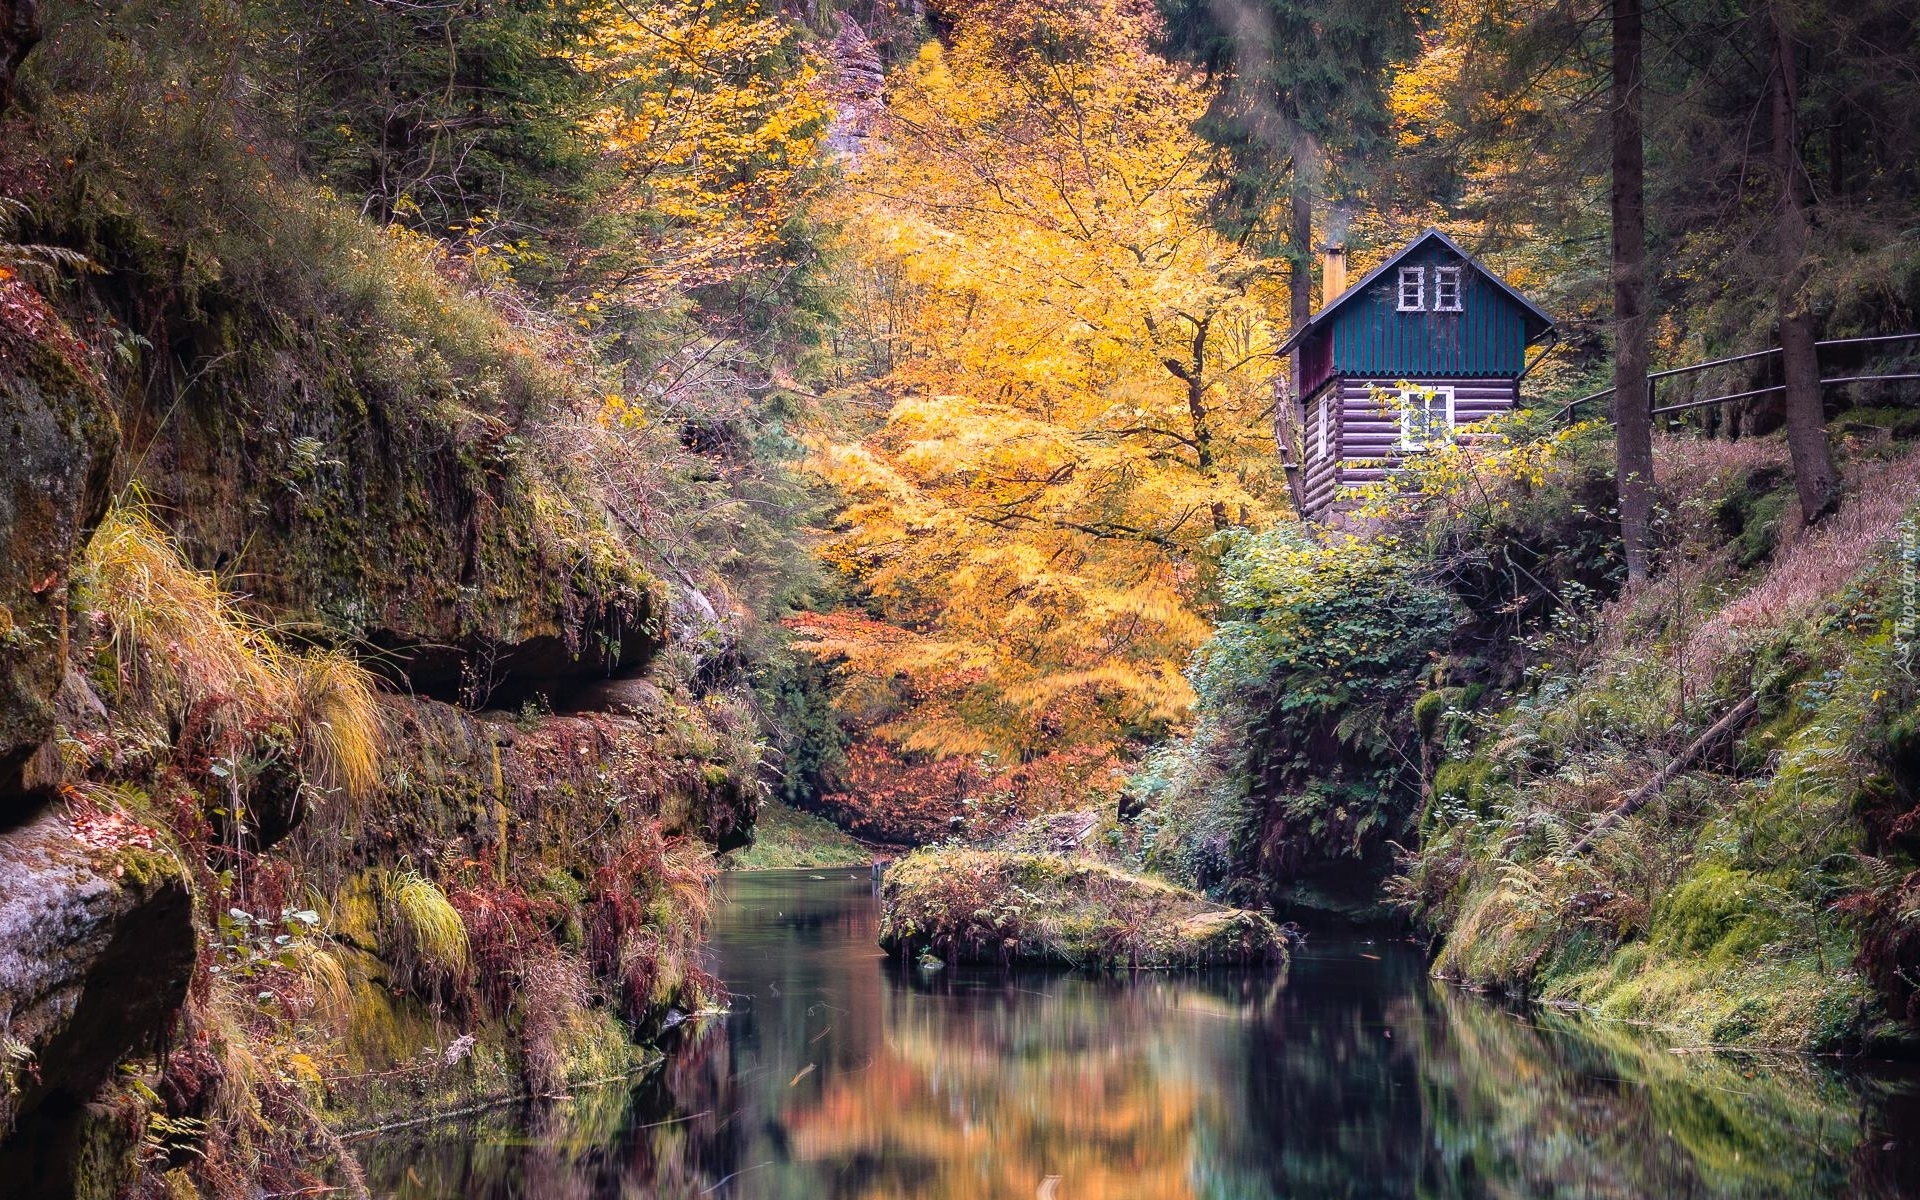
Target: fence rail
column 1654, row 377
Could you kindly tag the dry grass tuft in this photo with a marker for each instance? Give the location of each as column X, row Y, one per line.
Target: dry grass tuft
column 181, row 639
column 173, row 627
column 326, row 982
column 341, row 719
column 1696, row 461
column 557, row 987
column 427, row 940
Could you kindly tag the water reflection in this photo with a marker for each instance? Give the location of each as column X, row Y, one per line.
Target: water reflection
column 841, row 1076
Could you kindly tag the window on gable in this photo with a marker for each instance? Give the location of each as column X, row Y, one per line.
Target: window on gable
column 1426, row 417
column 1413, row 289
column 1446, row 289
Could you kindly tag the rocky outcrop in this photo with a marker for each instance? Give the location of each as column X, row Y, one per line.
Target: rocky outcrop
column 857, row 85
column 538, row 792
column 19, row 33
column 57, row 441
column 386, row 466
column 420, row 522
column 96, row 914
column 96, row 950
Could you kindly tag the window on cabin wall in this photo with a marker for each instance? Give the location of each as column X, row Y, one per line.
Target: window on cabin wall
column 1426, row 417
column 1413, row 289
column 1446, row 289
column 1326, row 444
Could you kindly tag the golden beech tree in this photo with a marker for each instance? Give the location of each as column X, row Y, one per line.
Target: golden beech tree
column 1074, row 373
column 715, row 151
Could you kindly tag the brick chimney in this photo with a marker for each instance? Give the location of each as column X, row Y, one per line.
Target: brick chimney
column 1333, row 271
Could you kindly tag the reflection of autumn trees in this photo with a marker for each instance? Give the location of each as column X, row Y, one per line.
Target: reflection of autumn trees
column 839, row 1076
column 990, row 1095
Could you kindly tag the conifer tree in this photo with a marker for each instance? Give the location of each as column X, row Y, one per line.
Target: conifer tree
column 1632, row 412
column 1300, row 106
column 1814, row 476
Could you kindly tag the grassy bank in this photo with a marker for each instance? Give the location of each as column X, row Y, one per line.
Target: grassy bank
column 1689, row 803
column 1755, row 897
column 785, row 837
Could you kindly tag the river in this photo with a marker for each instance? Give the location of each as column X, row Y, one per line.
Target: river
column 839, row 1074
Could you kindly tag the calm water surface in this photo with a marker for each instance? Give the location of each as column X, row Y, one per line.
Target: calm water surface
column 1352, row 1075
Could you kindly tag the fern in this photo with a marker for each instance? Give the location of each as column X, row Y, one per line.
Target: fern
column 42, row 261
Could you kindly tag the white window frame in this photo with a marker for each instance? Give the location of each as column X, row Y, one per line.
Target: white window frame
column 1417, row 277
column 1326, row 405
column 1408, row 408
column 1443, row 278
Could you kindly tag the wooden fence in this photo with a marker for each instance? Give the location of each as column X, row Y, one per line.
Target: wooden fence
column 1654, row 378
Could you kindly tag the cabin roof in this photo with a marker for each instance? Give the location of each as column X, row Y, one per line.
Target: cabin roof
column 1319, row 319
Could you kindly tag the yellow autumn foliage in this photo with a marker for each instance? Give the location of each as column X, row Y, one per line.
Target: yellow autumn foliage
column 1073, row 386
column 713, row 146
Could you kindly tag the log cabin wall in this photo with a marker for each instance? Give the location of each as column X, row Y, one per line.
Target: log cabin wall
column 1320, row 478
column 1397, row 323
column 1368, row 445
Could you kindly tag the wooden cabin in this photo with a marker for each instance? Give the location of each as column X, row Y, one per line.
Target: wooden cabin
column 1431, row 316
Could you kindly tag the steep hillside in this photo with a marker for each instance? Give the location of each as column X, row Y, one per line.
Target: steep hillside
column 375, row 697
column 1680, row 803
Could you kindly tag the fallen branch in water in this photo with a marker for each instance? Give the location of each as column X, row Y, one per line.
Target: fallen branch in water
column 494, row 1100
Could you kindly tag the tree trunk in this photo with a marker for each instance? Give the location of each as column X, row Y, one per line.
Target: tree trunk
column 1300, row 242
column 1194, row 375
column 1632, row 418
column 1284, row 428
column 1634, row 801
column 19, row 33
column 1288, row 416
column 1814, row 476
column 1300, row 238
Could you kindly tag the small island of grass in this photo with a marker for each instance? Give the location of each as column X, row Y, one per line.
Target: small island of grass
column 985, row 906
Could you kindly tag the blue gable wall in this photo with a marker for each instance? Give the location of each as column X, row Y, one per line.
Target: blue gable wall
column 1488, row 338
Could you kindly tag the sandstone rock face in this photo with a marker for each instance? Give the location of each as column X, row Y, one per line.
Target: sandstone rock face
column 57, row 441
column 96, row 950
column 543, row 788
column 368, row 503
column 635, row 697
column 19, row 33
column 856, row 85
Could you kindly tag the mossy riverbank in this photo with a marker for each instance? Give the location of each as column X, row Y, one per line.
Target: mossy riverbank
column 1751, row 898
